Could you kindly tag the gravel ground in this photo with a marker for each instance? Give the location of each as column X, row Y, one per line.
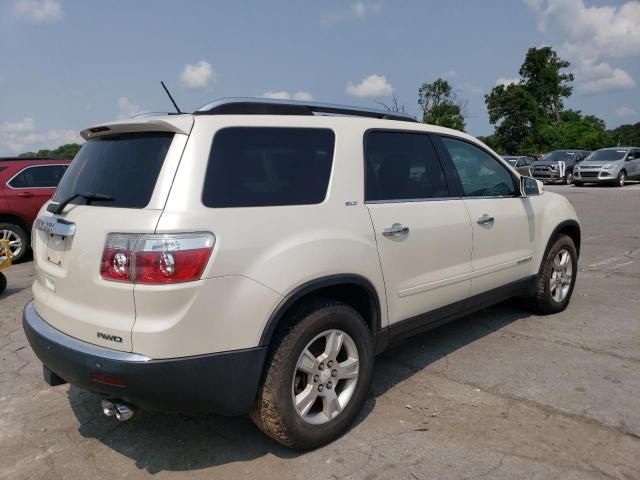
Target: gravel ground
column 499, row 394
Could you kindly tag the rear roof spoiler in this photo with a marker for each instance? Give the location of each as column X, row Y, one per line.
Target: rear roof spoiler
column 174, row 123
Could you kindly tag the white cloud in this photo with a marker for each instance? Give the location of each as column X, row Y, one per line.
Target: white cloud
column 38, row 11
column 197, row 75
column 372, row 86
column 625, row 111
column 590, row 36
column 284, row 95
column 352, row 11
column 450, row 74
column 601, row 77
column 127, row 109
column 22, row 136
column 507, row 81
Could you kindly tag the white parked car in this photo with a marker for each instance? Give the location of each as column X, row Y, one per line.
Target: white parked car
column 255, row 256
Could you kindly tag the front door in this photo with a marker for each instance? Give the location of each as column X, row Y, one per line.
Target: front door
column 423, row 235
column 504, row 225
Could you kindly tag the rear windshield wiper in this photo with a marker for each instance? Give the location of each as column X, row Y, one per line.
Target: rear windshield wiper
column 57, row 208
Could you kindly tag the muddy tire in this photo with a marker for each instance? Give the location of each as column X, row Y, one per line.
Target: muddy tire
column 317, row 377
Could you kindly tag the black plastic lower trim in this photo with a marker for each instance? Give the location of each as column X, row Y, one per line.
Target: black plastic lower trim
column 430, row 320
column 225, row 383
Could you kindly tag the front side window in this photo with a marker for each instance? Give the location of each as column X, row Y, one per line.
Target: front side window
column 481, row 175
column 45, row 176
column 267, row 166
column 402, row 166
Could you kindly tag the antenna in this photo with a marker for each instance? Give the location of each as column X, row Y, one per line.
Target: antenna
column 170, row 97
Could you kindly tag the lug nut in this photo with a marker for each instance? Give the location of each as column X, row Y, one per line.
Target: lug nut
column 321, row 366
column 334, row 373
column 320, row 387
column 329, row 385
column 316, row 378
column 330, row 363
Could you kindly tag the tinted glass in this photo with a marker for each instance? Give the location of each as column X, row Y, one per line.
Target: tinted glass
column 262, row 166
column 402, row 166
column 46, row 176
column 124, row 167
column 481, row 175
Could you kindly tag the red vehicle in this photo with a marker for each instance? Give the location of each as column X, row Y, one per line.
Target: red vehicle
column 25, row 185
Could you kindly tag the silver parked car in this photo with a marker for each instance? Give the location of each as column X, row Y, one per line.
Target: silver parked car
column 609, row 165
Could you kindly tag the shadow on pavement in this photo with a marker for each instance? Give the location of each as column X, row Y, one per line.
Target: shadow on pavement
column 159, row 442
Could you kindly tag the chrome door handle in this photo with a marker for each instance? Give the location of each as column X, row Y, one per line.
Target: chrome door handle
column 395, row 230
column 485, row 219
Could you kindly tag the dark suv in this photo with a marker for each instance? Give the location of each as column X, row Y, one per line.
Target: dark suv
column 25, row 185
column 557, row 166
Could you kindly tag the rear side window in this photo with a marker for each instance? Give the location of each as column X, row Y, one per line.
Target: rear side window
column 402, row 166
column 266, row 166
column 38, row 176
column 125, row 167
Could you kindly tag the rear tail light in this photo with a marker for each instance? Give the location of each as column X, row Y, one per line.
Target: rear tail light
column 156, row 259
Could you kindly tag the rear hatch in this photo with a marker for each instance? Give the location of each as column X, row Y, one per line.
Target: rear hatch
column 133, row 165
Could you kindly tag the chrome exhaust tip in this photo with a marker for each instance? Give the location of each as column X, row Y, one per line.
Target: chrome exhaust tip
column 124, row 412
column 108, row 408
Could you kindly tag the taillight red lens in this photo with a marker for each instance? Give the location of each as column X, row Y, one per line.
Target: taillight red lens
column 170, row 267
column 116, row 257
column 156, row 259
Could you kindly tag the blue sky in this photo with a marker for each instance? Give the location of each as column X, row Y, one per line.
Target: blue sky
column 67, row 64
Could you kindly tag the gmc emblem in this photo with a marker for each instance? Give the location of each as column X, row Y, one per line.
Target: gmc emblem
column 111, row 338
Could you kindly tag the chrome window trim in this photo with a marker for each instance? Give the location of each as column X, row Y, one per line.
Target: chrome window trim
column 7, row 184
column 412, row 200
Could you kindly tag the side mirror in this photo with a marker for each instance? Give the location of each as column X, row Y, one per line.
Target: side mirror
column 530, row 187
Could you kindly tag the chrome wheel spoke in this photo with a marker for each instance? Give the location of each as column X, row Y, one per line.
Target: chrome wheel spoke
column 305, row 400
column 349, row 368
column 334, row 344
column 307, row 362
column 331, row 404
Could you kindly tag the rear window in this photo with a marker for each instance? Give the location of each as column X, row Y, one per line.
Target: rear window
column 267, row 166
column 125, row 167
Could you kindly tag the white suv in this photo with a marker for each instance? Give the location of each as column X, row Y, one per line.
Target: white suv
column 254, row 257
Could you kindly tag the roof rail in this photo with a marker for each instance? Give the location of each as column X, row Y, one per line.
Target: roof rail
column 269, row 106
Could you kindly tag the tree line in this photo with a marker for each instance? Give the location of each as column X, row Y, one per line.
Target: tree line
column 529, row 114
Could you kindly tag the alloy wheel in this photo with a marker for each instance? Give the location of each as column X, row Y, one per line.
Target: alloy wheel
column 325, row 377
column 15, row 244
column 561, row 276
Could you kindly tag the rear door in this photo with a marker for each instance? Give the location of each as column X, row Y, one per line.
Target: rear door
column 136, row 170
column 423, row 234
column 504, row 228
column 31, row 187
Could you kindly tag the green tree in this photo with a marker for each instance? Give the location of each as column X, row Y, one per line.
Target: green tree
column 625, row 135
column 527, row 112
column 515, row 113
column 67, row 151
column 542, row 78
column 440, row 105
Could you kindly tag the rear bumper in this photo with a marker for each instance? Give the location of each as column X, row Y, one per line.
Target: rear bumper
column 225, row 383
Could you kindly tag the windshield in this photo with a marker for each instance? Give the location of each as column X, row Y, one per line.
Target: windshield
column 511, row 160
column 557, row 156
column 124, row 167
column 607, row 155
